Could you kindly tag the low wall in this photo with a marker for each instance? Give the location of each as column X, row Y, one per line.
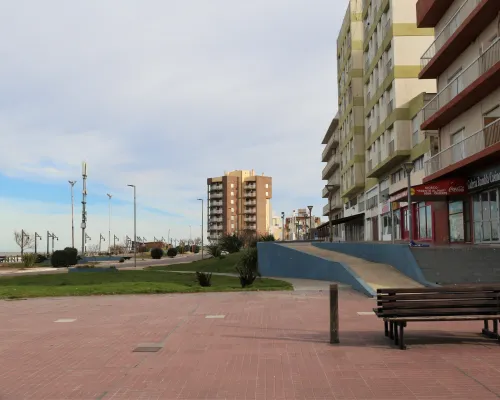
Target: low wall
column 464, row 264
column 397, row 255
column 284, row 262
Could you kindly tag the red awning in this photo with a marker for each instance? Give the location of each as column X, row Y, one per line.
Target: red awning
column 445, row 187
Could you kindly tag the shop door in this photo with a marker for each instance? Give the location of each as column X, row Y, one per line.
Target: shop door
column 404, row 224
column 375, row 229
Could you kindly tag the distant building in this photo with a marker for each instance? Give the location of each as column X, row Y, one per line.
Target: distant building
column 297, row 225
column 239, row 201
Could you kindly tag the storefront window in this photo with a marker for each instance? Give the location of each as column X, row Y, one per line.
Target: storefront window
column 456, row 218
column 386, row 218
column 424, row 221
column 486, row 217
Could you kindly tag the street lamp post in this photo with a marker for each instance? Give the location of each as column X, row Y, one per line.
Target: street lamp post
column 189, row 234
column 201, row 227
column 101, row 239
column 297, row 226
column 109, row 223
column 54, row 237
column 408, row 167
column 39, row 237
column 135, row 226
column 23, row 235
column 114, row 242
column 48, row 243
column 282, row 226
column 310, row 221
column 72, row 183
column 330, row 189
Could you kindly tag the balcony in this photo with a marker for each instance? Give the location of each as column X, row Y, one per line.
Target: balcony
column 473, row 84
column 251, row 227
column 336, row 206
column 330, row 147
column 250, row 203
column 215, row 220
column 250, row 219
column 249, row 194
column 250, row 210
column 215, row 212
column 384, row 162
column 215, row 195
column 430, row 12
column 335, row 182
column 330, row 168
column 478, row 146
column 460, row 31
column 215, row 187
column 216, row 203
column 250, row 186
column 331, row 130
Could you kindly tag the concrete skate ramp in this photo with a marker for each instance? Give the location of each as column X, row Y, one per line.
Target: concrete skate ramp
column 375, row 275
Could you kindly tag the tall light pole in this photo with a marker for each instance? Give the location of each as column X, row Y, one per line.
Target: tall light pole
column 39, row 237
column 189, row 234
column 48, row 243
column 72, row 183
column 54, row 237
column 330, row 189
column 84, row 205
column 135, row 226
column 101, row 239
column 310, row 221
column 201, row 227
column 109, row 224
column 282, row 226
column 408, row 167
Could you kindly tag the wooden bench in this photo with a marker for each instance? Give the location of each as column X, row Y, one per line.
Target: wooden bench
column 472, row 302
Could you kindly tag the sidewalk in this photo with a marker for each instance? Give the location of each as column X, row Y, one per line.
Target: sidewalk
column 238, row 346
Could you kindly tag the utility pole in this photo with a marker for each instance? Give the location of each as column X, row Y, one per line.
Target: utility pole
column 84, row 203
column 135, row 226
column 109, row 225
column 72, row 183
column 201, row 227
column 282, row 226
column 310, row 221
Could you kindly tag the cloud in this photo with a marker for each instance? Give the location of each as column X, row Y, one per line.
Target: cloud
column 163, row 94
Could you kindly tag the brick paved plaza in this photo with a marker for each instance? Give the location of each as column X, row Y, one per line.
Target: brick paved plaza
column 268, row 346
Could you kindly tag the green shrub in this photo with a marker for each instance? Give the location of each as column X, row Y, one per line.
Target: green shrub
column 40, row 258
column 214, row 250
column 29, row 259
column 196, row 249
column 122, row 260
column 204, row 278
column 172, row 252
column 267, row 238
column 230, row 243
column 180, row 249
column 72, row 255
column 59, row 259
column 156, row 253
column 247, row 267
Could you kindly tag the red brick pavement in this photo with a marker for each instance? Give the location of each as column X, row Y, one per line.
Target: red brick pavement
column 269, row 346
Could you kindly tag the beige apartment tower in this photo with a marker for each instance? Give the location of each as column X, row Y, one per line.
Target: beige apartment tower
column 239, row 201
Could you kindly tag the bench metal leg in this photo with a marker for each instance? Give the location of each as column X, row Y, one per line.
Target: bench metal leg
column 391, row 330
column 486, row 328
column 396, row 334
column 402, row 326
column 495, row 327
column 386, row 328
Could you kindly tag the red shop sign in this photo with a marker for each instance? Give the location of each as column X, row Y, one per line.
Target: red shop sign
column 447, row 187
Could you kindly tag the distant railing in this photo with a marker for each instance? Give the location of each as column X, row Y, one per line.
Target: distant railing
column 486, row 137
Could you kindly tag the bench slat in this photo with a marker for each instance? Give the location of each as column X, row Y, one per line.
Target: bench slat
column 446, row 318
column 439, row 303
column 443, row 289
column 438, row 296
column 439, row 311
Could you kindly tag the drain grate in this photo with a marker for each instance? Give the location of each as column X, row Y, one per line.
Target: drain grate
column 147, row 349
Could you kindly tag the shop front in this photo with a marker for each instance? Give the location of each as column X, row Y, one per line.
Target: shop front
column 484, row 189
column 438, row 212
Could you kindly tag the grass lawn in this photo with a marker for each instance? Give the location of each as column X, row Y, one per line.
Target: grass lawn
column 224, row 265
column 122, row 282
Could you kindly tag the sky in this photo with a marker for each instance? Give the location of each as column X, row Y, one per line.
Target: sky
column 161, row 94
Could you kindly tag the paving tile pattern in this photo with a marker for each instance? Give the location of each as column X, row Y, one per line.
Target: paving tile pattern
column 268, row 346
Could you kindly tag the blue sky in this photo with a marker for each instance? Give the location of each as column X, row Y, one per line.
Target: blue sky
column 161, row 94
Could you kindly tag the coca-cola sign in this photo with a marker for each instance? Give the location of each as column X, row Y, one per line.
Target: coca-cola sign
column 446, row 187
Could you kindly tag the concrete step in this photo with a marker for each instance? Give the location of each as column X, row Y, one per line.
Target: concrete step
column 376, row 275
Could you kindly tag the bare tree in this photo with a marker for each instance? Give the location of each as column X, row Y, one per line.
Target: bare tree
column 23, row 240
column 197, row 241
column 92, row 250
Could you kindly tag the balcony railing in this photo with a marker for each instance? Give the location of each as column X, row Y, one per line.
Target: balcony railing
column 370, row 165
column 216, row 203
column 216, row 187
column 475, row 143
column 474, row 71
column 250, row 219
column 216, row 195
column 334, row 140
column 250, row 210
column 334, row 161
column 250, row 186
column 450, row 28
column 216, row 220
column 250, row 194
column 250, row 203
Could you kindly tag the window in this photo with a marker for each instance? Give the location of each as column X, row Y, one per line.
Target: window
column 458, row 146
column 267, row 194
column 232, row 217
column 232, row 185
column 418, row 164
column 232, row 193
column 456, row 219
column 232, row 226
column 415, row 126
column 232, row 210
column 232, row 201
column 267, row 185
column 424, row 221
column 386, row 224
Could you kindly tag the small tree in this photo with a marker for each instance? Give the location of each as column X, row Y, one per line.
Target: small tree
column 247, row 267
column 197, row 241
column 59, row 259
column 230, row 243
column 72, row 255
column 171, row 252
column 23, row 240
column 156, row 253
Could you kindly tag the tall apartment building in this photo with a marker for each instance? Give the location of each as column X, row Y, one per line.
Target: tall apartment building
column 239, row 201
column 351, row 113
column 464, row 57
